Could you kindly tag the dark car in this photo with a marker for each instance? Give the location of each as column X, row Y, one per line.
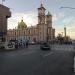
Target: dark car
column 45, row 46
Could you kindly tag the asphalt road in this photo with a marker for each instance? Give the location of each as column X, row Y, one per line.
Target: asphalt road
column 33, row 61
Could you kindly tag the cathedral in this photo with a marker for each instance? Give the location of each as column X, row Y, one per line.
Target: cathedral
column 43, row 31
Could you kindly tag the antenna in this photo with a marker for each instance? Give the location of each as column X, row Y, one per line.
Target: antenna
column 22, row 18
column 41, row 1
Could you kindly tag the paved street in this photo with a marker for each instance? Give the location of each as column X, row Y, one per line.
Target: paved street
column 33, row 61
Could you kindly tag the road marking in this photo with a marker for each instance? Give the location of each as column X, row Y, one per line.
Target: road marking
column 30, row 52
column 22, row 53
column 48, row 54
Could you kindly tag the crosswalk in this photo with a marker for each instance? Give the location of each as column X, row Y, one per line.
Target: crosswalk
column 23, row 51
column 48, row 54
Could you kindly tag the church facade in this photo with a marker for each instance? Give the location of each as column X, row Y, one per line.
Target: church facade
column 43, row 31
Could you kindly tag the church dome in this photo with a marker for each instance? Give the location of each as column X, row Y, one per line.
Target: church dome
column 49, row 13
column 22, row 25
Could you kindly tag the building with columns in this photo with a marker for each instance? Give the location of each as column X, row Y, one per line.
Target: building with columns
column 4, row 15
column 43, row 31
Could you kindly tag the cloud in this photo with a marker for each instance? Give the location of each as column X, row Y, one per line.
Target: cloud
column 61, row 15
column 29, row 18
column 55, row 18
column 59, row 20
column 67, row 20
column 58, row 16
column 70, row 30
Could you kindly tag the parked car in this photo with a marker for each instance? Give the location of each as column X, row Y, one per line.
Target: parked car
column 9, row 45
column 44, row 46
column 32, row 43
column 2, row 45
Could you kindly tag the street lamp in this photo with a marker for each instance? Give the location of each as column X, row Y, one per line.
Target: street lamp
column 15, row 33
column 62, row 34
column 47, row 34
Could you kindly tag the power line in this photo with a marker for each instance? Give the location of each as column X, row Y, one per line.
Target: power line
column 67, row 7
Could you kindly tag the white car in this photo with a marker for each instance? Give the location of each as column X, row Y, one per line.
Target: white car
column 9, row 46
column 32, row 43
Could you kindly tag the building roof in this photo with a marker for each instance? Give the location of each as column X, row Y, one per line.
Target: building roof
column 4, row 7
column 42, row 7
column 49, row 13
column 22, row 24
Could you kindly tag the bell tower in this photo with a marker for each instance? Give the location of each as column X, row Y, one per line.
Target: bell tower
column 41, row 14
column 42, row 28
column 49, row 19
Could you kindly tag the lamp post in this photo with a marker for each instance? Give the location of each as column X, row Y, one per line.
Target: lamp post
column 62, row 34
column 15, row 33
column 24, row 34
column 47, row 34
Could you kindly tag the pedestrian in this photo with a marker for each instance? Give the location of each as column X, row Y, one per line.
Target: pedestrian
column 26, row 44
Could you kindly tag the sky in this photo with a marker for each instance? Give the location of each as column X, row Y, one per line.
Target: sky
column 28, row 10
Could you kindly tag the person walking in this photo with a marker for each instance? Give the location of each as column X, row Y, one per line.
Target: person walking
column 27, row 43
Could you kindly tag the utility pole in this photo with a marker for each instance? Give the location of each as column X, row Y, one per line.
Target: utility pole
column 65, row 32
